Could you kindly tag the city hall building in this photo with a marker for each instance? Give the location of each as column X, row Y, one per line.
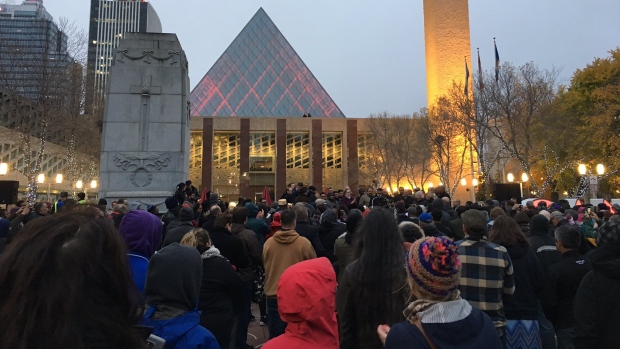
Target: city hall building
column 260, row 119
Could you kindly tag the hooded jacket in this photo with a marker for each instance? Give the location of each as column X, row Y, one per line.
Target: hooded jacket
column 542, row 243
column 597, row 306
column 142, row 234
column 173, row 284
column 257, row 225
column 329, row 231
column 529, row 278
column 307, row 303
column 454, row 324
column 283, row 250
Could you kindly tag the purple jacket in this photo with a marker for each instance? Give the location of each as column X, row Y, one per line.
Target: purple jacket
column 142, row 233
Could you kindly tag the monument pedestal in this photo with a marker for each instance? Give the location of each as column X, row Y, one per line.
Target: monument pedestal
column 146, row 131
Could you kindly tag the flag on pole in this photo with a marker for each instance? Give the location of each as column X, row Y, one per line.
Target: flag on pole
column 466, row 78
column 496, row 61
column 480, row 71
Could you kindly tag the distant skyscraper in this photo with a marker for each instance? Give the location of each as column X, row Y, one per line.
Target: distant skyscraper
column 261, row 75
column 33, row 51
column 109, row 21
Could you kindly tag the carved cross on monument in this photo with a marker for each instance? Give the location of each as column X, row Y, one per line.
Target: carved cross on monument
column 145, row 90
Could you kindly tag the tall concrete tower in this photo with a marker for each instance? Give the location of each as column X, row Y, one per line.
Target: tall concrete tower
column 447, row 41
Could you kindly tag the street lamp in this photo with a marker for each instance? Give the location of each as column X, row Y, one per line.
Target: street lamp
column 524, row 177
column 59, row 178
column 4, row 168
column 474, row 182
column 79, row 184
column 463, row 182
column 41, row 178
column 592, row 179
column 93, row 184
column 582, row 169
column 510, row 177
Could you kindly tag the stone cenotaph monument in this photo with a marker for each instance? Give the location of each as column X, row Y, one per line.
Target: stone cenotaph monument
column 146, row 131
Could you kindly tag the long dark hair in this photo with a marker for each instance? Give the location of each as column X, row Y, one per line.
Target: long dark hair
column 353, row 223
column 507, row 233
column 66, row 284
column 379, row 272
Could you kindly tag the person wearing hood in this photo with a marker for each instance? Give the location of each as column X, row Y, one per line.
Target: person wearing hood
column 254, row 252
column 596, row 307
column 433, row 270
column 186, row 216
column 142, row 234
column 283, row 250
column 256, row 223
column 521, row 307
column 562, row 282
column 329, row 231
column 219, row 291
column 542, row 243
column 172, row 288
column 307, row 303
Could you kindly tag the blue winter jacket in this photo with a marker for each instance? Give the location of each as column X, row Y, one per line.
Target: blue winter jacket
column 181, row 332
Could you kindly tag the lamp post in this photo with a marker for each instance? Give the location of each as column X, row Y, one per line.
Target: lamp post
column 510, row 177
column 4, row 169
column 93, row 185
column 592, row 178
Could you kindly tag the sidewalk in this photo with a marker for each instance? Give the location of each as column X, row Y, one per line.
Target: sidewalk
column 257, row 335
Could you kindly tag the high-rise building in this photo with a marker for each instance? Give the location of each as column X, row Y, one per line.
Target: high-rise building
column 261, row 75
column 109, row 21
column 33, row 51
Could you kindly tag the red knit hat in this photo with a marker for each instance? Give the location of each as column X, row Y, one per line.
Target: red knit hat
column 434, row 266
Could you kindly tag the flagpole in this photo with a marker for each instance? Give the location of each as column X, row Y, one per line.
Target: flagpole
column 481, row 83
column 496, row 61
column 466, row 78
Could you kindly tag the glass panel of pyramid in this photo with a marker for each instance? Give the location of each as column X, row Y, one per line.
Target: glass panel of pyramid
column 261, row 75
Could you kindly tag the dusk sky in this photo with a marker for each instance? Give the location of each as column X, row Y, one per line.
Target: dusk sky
column 369, row 55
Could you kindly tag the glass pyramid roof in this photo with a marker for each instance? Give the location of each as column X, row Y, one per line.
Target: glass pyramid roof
column 261, row 75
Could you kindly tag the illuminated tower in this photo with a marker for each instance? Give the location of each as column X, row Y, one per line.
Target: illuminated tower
column 447, row 41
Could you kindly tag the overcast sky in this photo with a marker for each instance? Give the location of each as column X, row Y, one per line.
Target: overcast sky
column 369, row 55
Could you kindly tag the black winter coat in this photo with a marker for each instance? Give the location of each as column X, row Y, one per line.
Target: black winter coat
column 176, row 234
column 311, row 233
column 597, row 305
column 529, row 280
column 220, row 298
column 563, row 279
column 229, row 246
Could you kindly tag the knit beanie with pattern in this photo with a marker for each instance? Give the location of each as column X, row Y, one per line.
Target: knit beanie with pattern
column 608, row 232
column 434, row 266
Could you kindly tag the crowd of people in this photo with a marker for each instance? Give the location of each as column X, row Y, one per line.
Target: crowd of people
column 327, row 269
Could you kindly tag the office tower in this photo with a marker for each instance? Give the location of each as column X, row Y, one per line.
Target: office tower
column 109, row 21
column 33, row 51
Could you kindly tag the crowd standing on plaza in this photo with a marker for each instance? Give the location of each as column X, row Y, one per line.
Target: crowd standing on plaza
column 327, row 269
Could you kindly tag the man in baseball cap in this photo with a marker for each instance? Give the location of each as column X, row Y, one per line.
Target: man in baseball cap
column 60, row 203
